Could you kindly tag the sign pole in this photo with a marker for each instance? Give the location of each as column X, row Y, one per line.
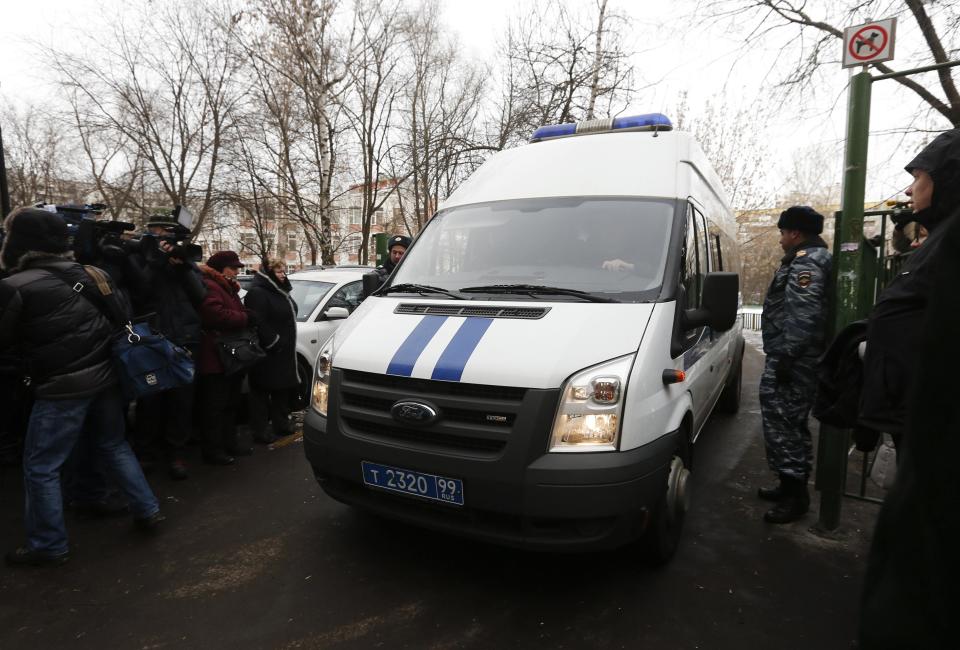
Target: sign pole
column 848, row 287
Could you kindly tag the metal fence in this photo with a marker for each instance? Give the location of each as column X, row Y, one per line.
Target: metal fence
column 751, row 320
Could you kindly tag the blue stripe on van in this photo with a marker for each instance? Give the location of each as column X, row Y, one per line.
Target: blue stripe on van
column 405, row 358
column 454, row 358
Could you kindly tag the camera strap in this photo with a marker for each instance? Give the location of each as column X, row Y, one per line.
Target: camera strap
column 101, row 299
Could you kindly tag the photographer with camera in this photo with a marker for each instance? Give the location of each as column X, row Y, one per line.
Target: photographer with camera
column 170, row 291
column 64, row 340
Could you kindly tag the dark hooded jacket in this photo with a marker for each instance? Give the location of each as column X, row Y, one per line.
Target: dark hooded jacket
column 912, row 585
column 220, row 312
column 277, row 323
column 895, row 325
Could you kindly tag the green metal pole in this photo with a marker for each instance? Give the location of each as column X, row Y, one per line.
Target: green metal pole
column 848, row 284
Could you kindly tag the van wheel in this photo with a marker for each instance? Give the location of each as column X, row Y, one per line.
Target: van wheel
column 729, row 401
column 663, row 533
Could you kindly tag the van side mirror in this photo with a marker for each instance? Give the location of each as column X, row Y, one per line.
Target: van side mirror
column 336, row 313
column 718, row 304
column 371, row 282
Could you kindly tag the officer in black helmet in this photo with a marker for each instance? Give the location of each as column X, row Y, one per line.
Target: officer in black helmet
column 396, row 247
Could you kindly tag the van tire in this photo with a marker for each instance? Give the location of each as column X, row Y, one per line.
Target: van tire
column 662, row 537
column 729, row 401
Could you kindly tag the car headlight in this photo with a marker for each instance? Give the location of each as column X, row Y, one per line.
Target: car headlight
column 591, row 408
column 321, row 379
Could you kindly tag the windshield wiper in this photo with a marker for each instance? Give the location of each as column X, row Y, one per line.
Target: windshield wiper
column 407, row 287
column 536, row 289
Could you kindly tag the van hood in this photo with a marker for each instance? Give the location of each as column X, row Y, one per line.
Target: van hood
column 501, row 349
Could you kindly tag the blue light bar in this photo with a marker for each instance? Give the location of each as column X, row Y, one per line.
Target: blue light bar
column 646, row 122
column 658, row 121
column 553, row 131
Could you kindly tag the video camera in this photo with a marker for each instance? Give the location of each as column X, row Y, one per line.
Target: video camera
column 177, row 229
column 90, row 238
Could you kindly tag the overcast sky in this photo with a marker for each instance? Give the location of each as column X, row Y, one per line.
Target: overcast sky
column 674, row 55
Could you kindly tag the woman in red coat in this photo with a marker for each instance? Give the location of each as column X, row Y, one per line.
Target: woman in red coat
column 219, row 394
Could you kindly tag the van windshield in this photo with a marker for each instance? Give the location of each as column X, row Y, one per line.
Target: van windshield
column 609, row 248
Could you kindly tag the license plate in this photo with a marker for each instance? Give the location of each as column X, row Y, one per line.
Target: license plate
column 418, row 484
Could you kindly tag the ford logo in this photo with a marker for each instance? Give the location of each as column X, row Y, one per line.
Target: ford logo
column 414, row 412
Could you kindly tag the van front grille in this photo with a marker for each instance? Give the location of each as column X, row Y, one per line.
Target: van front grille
column 472, row 418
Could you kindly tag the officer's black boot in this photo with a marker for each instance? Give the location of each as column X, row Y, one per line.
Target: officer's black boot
column 793, row 505
column 772, row 493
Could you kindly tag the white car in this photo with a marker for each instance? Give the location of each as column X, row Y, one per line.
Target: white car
column 324, row 299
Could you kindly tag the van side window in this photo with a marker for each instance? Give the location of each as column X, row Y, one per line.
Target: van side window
column 692, row 276
column 716, row 252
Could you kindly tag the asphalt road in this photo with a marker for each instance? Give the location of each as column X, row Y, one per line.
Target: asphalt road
column 256, row 556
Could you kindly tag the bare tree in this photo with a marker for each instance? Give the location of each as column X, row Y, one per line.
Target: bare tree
column 371, row 101
column 738, row 152
column 164, row 85
column 440, row 115
column 812, row 32
column 298, row 61
column 34, row 148
column 565, row 66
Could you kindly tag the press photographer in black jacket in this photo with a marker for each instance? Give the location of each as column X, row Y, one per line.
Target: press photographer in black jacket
column 170, row 290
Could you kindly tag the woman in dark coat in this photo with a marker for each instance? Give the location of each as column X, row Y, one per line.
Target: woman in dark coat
column 273, row 380
column 218, row 393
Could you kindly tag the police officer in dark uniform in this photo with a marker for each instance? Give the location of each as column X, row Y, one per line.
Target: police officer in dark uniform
column 396, row 247
column 794, row 332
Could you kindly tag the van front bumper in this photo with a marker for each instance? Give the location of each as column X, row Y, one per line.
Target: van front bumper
column 546, row 501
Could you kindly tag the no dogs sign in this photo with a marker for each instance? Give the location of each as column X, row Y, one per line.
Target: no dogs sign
column 869, row 43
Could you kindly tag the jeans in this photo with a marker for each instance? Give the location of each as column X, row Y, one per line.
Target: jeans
column 55, row 427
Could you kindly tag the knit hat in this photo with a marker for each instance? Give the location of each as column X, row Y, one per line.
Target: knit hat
column 802, row 218
column 32, row 230
column 399, row 240
column 222, row 259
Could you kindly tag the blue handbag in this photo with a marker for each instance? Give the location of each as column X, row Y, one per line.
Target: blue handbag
column 149, row 363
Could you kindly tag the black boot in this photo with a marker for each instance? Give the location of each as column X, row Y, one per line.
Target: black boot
column 773, row 493
column 793, row 505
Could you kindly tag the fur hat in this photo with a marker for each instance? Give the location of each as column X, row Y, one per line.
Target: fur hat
column 802, row 218
column 32, row 230
column 399, row 240
column 222, row 259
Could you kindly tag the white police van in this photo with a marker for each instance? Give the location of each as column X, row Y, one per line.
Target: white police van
column 537, row 370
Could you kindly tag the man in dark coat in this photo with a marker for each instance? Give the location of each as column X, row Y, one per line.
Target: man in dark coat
column 221, row 312
column 172, row 290
column 396, row 248
column 896, row 321
column 794, row 332
column 273, row 380
column 63, row 339
column 912, row 585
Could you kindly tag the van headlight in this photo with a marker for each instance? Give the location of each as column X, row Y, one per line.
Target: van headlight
column 591, row 408
column 321, row 379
